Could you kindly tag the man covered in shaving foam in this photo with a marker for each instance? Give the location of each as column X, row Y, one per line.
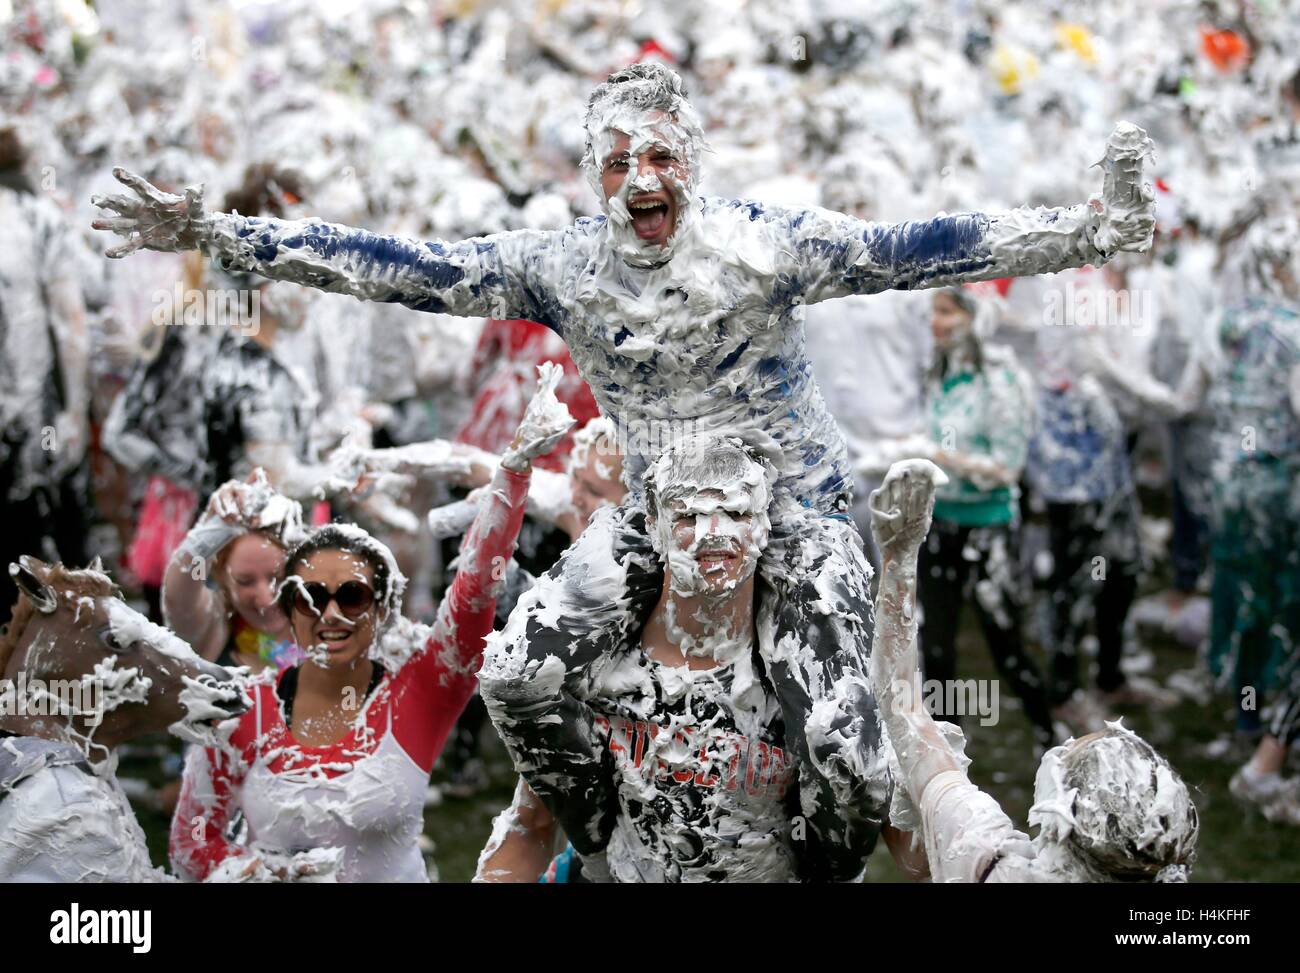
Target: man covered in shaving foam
column 685, row 315
column 683, row 738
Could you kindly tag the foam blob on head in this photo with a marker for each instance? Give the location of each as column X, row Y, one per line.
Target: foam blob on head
column 707, row 501
column 1272, row 255
column 1118, row 805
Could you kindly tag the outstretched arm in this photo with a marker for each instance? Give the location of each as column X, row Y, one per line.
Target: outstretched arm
column 549, row 495
column 1169, row 401
column 492, row 276
column 833, row 255
column 444, row 673
column 967, row 835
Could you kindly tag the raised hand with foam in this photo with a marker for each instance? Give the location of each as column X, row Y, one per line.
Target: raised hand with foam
column 1127, row 204
column 545, row 422
column 152, row 219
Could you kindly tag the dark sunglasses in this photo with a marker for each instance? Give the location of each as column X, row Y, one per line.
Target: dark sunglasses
column 313, row 597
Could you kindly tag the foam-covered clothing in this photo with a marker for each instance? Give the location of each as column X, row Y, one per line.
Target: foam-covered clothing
column 983, row 412
column 1078, row 452
column 869, row 354
column 251, row 394
column 1096, row 562
column 1255, row 522
column 62, row 822
column 155, row 426
column 364, row 793
column 979, row 566
column 38, row 290
column 661, row 776
column 713, row 337
column 702, row 777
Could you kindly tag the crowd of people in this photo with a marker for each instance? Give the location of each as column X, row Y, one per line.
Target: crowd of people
column 692, row 425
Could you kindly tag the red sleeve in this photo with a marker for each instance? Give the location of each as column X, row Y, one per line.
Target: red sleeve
column 488, row 350
column 197, row 843
column 436, row 684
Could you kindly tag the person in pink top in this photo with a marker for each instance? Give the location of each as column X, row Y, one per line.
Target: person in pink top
column 329, row 767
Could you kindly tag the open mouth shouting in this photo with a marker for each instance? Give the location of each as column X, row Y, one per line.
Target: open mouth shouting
column 651, row 216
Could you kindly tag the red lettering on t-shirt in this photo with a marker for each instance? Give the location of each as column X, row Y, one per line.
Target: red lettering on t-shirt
column 622, row 727
column 703, row 778
column 759, row 758
column 683, row 736
column 739, row 744
column 782, row 771
column 641, row 734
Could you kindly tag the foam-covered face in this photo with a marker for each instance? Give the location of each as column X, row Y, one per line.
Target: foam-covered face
column 948, row 321
column 711, row 539
column 330, row 638
column 597, row 482
column 643, row 182
column 646, row 170
column 253, row 569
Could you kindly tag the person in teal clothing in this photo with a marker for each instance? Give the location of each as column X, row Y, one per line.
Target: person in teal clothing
column 1250, row 384
column 1255, row 538
column 979, row 415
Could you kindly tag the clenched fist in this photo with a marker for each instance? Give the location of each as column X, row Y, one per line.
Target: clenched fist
column 1127, row 204
column 902, row 508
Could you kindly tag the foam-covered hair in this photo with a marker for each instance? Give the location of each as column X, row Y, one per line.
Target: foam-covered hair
column 1120, row 805
column 644, row 87
column 597, row 431
column 1272, row 241
column 708, row 462
column 389, row 580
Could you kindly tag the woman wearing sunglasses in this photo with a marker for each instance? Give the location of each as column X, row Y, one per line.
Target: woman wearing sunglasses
column 329, row 768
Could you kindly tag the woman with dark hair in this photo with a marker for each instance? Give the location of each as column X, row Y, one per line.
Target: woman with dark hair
column 330, row 766
column 979, row 415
